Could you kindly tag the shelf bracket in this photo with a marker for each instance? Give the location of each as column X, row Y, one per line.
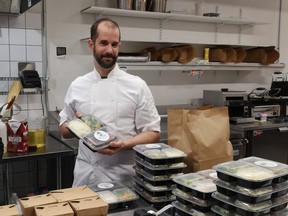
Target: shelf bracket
column 240, row 27
column 161, row 29
column 216, row 26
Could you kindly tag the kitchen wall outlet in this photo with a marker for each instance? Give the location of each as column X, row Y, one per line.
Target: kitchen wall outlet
column 60, row 51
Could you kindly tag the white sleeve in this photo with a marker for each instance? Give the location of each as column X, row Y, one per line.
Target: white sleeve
column 147, row 117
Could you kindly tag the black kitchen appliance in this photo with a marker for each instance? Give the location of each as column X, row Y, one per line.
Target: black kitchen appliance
column 238, row 105
column 30, row 79
column 270, row 143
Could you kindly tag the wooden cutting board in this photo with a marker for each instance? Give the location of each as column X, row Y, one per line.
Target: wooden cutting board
column 14, row 90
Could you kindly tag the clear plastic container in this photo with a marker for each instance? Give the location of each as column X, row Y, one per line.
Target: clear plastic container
column 37, row 131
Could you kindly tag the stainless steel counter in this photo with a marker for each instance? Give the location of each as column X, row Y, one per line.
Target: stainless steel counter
column 270, row 124
column 52, row 149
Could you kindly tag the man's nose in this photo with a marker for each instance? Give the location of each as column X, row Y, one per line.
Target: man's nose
column 109, row 48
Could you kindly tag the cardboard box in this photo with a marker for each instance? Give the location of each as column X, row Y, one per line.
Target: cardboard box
column 28, row 203
column 9, row 210
column 93, row 206
column 57, row 209
column 73, row 193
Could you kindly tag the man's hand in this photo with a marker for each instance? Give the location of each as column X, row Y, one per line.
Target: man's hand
column 113, row 148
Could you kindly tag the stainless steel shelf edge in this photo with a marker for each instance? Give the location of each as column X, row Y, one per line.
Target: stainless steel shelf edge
column 168, row 16
column 192, row 66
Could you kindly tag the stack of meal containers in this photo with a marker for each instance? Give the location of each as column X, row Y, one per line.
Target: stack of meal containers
column 251, row 186
column 156, row 165
column 194, row 193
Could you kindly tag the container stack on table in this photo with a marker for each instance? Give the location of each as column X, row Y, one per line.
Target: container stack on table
column 156, row 166
column 251, row 186
column 194, row 193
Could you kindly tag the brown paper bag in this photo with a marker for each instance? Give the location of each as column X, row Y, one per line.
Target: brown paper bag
column 202, row 134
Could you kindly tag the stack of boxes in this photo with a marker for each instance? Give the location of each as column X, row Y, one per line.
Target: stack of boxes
column 76, row 201
column 251, row 186
column 156, row 166
column 194, row 193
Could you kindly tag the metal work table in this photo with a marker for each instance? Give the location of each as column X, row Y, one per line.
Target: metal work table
column 72, row 143
column 257, row 125
column 52, row 149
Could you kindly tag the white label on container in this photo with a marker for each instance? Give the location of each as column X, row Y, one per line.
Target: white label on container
column 105, row 185
column 265, row 163
column 101, row 135
column 151, row 146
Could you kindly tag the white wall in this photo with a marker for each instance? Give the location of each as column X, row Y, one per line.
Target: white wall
column 66, row 26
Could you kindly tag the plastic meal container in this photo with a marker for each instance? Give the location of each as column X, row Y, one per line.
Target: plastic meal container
column 201, row 186
column 159, row 154
column 251, row 172
column 188, row 210
column 115, row 194
column 188, row 196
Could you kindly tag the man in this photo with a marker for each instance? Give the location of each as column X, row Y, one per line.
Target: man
column 120, row 100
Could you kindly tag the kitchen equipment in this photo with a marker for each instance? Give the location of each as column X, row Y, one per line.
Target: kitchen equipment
column 140, row 5
column 159, row 6
column 272, row 110
column 30, row 79
column 125, row 4
column 16, row 7
column 238, row 105
column 269, row 143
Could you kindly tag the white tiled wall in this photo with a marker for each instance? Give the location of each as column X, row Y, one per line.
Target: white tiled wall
column 21, row 41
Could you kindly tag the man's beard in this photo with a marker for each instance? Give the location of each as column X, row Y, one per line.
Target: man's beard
column 102, row 63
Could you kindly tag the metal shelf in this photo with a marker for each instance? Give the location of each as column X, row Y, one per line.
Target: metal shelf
column 212, row 66
column 168, row 16
column 27, row 91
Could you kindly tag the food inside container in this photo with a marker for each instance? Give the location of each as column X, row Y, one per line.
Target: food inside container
column 199, row 185
column 159, row 154
column 151, row 199
column 115, row 194
column 192, row 205
column 157, row 168
column 94, row 134
column 154, row 193
column 217, row 209
column 164, row 177
column 245, row 208
column 193, row 199
column 245, row 174
column 148, row 186
column 184, row 210
column 159, row 184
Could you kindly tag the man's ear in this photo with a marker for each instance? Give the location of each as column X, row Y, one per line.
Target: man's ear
column 90, row 44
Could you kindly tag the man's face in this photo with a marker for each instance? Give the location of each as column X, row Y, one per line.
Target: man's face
column 106, row 47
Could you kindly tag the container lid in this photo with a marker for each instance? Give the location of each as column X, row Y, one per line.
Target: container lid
column 202, row 182
column 159, row 151
column 114, row 192
column 149, row 166
column 253, row 169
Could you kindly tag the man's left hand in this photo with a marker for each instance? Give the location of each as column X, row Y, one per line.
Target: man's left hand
column 113, row 148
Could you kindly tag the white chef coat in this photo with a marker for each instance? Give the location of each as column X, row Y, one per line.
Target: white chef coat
column 123, row 102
